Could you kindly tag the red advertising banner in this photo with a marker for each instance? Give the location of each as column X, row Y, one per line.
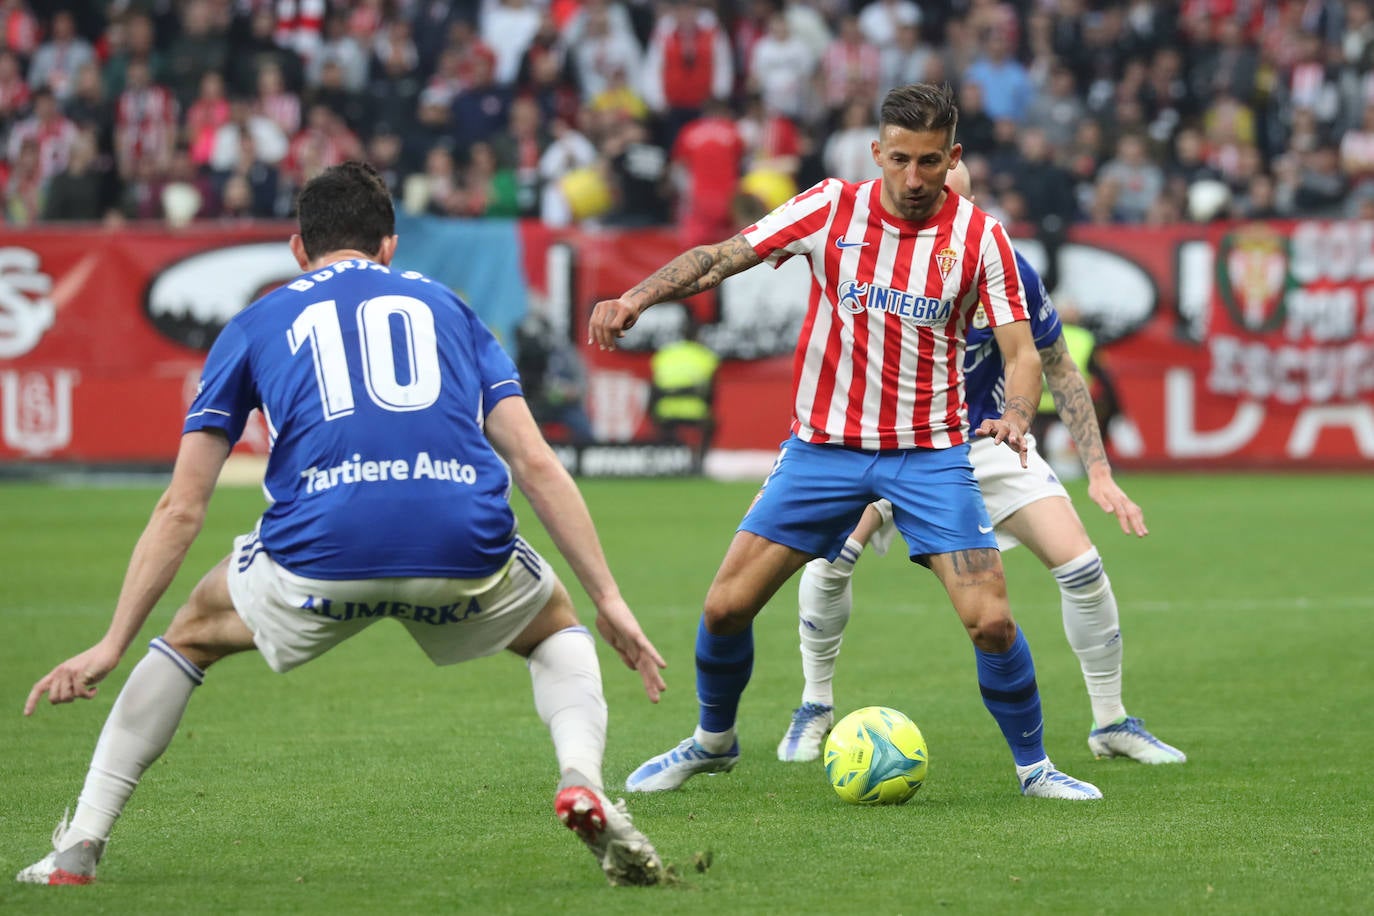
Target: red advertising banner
column 102, row 335
column 1229, row 346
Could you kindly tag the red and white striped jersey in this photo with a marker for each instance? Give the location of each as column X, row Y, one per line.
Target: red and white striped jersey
column 879, row 363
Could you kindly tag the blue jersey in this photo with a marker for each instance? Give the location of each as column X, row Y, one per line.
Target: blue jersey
column 984, row 380
column 375, row 385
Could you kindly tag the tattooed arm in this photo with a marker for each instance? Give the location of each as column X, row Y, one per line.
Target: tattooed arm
column 1022, row 387
column 702, row 268
column 1074, row 404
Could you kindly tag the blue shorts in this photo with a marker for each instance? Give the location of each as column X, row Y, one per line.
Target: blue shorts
column 815, row 495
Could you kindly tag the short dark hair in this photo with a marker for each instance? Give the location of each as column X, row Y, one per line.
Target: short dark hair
column 346, row 206
column 921, row 107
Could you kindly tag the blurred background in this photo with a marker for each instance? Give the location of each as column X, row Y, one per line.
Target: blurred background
column 1194, row 179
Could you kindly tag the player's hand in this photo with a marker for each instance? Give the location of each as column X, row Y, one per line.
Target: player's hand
column 75, row 678
column 611, row 318
column 1006, row 432
column 618, row 626
column 1102, row 489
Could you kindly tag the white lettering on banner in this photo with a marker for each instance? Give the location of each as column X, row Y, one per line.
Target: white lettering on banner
column 1291, row 375
column 37, row 409
column 1358, row 418
column 1182, row 438
column 26, row 310
column 356, row 470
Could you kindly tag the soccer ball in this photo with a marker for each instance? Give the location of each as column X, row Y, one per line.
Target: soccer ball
column 875, row 756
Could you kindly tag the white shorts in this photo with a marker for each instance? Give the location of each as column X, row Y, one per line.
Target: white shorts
column 295, row 619
column 1007, row 486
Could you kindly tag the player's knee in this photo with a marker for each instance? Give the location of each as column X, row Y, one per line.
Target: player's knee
column 993, row 632
column 724, row 615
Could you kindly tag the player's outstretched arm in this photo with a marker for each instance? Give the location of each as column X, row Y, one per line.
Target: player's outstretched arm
column 704, row 267
column 1073, row 402
column 176, row 521
column 1022, row 387
column 559, row 504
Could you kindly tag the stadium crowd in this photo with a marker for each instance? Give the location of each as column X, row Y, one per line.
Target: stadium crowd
column 639, row 113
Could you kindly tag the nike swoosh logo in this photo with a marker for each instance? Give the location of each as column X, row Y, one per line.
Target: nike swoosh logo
column 982, row 530
column 1033, row 730
column 841, row 243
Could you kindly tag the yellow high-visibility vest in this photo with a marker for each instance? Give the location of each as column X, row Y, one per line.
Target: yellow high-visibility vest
column 686, row 368
column 1080, row 343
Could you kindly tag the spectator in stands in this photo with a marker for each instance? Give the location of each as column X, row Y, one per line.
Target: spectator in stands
column 56, row 62
column 638, row 171
column 707, row 158
column 269, row 143
column 207, row 114
column 976, row 128
column 881, row 19
column 88, row 106
column 435, row 191
column 257, row 45
column 80, row 192
column 601, row 53
column 1357, row 150
column 275, row 102
column 688, row 65
column 331, row 92
column 197, row 49
column 393, row 94
column 431, row 23
column 26, row 186
column 851, row 67
column 1046, row 187
column 489, row 189
column 146, row 119
column 770, row 140
column 781, row 68
column 1057, row 109
column 52, row 132
column 568, row 152
column 1136, row 180
column 384, row 153
column 848, row 151
column 263, row 180
column 480, row 111
column 19, row 27
column 14, row 89
column 546, row 75
column 138, row 44
column 343, row 51
column 325, row 141
column 1321, row 188
column 1007, row 89
column 520, row 148
column 907, row 60
column 508, row 27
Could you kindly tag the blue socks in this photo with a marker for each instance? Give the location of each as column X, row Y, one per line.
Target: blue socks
column 1007, row 682
column 724, row 664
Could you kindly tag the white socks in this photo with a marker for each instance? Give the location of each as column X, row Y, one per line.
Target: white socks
column 825, row 599
column 1093, row 628
column 568, row 697
column 142, row 722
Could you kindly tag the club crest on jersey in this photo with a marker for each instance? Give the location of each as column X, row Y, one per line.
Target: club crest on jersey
column 856, row 297
column 980, row 318
column 945, row 259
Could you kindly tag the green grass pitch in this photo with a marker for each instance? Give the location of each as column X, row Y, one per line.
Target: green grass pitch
column 372, row 782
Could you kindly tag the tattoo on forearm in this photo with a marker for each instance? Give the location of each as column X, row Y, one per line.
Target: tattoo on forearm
column 702, row 268
column 1022, row 406
column 1073, row 402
